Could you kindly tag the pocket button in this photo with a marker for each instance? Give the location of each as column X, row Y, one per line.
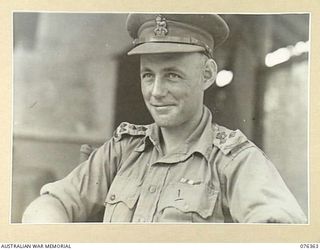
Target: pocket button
column 113, row 197
column 152, row 189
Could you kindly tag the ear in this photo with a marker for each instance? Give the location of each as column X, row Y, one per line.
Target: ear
column 209, row 73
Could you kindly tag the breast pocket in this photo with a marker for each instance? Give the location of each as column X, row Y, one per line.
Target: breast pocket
column 183, row 202
column 121, row 199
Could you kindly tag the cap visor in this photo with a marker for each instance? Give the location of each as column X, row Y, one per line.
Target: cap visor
column 158, row 48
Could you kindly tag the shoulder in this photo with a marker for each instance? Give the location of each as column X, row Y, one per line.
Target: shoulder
column 230, row 142
column 126, row 129
column 238, row 150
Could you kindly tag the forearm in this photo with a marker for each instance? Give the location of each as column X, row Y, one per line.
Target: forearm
column 45, row 209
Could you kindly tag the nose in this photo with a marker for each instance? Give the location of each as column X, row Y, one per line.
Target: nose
column 159, row 89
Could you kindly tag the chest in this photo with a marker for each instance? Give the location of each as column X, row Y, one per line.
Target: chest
column 175, row 188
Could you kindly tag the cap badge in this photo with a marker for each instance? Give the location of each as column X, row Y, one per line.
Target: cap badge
column 161, row 29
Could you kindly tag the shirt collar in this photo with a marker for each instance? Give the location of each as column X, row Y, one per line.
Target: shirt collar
column 152, row 138
column 202, row 137
column 200, row 140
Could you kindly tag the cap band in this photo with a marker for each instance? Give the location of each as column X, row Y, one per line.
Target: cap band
column 175, row 39
column 175, row 32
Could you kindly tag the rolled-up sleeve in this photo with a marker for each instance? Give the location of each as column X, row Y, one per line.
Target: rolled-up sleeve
column 256, row 192
column 83, row 191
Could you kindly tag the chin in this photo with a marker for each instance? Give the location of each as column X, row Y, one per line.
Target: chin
column 163, row 124
column 166, row 122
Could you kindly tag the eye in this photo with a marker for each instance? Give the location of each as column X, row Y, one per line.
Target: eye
column 146, row 76
column 173, row 76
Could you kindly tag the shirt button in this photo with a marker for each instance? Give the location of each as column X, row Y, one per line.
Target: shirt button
column 152, row 189
column 113, row 197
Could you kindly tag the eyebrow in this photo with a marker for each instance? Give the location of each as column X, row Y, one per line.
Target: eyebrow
column 145, row 69
column 165, row 69
column 172, row 69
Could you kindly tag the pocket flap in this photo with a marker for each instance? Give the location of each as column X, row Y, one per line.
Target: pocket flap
column 199, row 198
column 123, row 189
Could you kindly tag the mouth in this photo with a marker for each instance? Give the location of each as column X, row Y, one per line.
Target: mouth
column 162, row 107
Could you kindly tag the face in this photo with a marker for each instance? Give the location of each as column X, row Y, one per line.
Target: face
column 172, row 87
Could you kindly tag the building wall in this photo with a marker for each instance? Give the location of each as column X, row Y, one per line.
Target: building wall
column 65, row 76
column 285, row 125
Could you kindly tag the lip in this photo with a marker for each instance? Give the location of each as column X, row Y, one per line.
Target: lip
column 163, row 108
column 161, row 105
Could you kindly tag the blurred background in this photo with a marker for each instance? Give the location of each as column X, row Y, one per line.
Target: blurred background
column 73, row 84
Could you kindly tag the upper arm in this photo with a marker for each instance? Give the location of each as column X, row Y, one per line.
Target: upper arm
column 256, row 192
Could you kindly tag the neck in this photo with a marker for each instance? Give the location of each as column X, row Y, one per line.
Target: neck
column 173, row 137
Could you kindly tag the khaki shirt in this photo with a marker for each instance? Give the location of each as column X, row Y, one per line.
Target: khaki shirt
column 216, row 176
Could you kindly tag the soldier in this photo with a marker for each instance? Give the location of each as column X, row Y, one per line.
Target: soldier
column 184, row 167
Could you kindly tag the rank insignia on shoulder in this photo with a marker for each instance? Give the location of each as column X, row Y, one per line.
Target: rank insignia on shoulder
column 227, row 140
column 126, row 128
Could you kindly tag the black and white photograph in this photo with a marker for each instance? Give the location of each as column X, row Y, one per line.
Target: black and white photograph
column 169, row 117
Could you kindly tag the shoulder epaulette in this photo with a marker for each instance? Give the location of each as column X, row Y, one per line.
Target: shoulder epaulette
column 228, row 140
column 126, row 128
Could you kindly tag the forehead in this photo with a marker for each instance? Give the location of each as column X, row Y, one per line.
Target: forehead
column 170, row 59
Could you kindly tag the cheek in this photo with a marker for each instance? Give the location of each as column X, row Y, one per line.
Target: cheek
column 145, row 91
column 193, row 97
column 185, row 92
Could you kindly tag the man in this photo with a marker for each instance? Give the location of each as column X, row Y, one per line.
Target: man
column 184, row 167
